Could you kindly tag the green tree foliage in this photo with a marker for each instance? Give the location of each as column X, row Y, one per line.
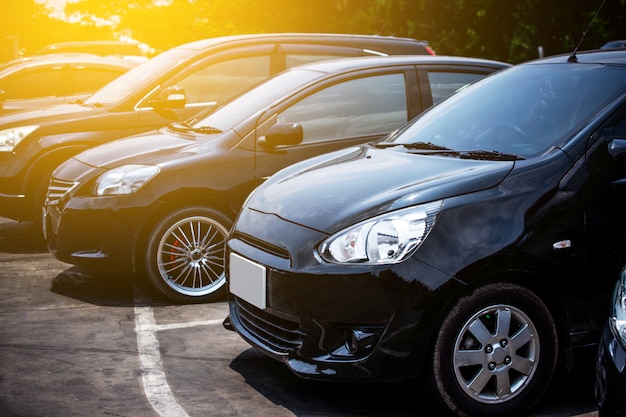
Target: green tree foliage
column 509, row 30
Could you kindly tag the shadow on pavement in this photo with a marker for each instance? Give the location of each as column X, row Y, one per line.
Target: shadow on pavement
column 570, row 394
column 18, row 237
column 303, row 397
column 104, row 289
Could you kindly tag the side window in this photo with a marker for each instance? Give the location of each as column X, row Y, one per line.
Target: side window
column 358, row 107
column 223, row 80
column 91, row 79
column 31, row 84
column 442, row 83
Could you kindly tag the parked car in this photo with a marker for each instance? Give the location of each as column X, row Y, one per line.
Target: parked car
column 621, row 43
column 162, row 203
column 610, row 384
column 31, row 83
column 131, row 50
column 172, row 86
column 471, row 248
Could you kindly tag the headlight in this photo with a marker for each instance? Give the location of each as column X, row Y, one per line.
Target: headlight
column 125, row 179
column 385, row 239
column 618, row 316
column 11, row 137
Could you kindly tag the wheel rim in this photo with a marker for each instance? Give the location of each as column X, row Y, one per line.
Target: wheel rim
column 495, row 354
column 190, row 256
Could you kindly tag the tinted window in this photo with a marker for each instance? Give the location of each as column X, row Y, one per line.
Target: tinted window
column 91, row 79
column 222, row 80
column 254, row 100
column 31, row 84
column 358, row 107
column 442, row 84
column 119, row 88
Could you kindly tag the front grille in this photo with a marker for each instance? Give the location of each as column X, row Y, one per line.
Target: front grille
column 57, row 189
column 260, row 244
column 280, row 335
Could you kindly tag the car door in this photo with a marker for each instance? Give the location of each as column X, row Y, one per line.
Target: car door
column 345, row 111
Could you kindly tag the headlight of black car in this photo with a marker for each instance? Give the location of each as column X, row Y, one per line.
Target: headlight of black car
column 125, row 179
column 386, row 239
column 9, row 138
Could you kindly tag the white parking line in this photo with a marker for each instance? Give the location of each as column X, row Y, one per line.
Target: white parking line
column 155, row 385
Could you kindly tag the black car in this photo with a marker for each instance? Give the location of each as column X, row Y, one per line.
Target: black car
column 31, row 83
column 162, row 202
column 472, row 248
column 172, row 86
column 610, row 384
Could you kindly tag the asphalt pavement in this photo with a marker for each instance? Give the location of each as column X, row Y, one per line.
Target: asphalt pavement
column 74, row 343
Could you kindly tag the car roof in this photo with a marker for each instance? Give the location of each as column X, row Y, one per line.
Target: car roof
column 355, row 40
column 595, row 56
column 347, row 64
column 53, row 59
column 96, row 47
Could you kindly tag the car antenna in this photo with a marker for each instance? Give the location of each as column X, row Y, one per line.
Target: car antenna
column 572, row 57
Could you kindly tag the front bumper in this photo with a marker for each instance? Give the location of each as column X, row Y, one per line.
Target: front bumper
column 610, row 384
column 95, row 233
column 327, row 321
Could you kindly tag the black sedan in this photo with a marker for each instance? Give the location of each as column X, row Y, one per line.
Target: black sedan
column 472, row 248
column 162, row 202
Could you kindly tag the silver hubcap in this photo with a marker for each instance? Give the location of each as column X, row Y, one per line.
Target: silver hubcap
column 191, row 256
column 495, row 354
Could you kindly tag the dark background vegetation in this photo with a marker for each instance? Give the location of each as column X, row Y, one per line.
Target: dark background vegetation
column 508, row 30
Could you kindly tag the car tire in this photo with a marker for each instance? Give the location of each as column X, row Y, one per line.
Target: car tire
column 185, row 255
column 495, row 353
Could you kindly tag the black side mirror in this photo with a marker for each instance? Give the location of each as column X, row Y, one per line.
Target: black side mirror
column 170, row 98
column 617, row 149
column 283, row 134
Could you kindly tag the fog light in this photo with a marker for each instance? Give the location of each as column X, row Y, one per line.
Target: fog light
column 359, row 340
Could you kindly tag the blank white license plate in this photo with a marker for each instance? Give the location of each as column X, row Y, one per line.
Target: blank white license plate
column 247, row 280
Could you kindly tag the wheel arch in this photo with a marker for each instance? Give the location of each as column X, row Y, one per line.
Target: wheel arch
column 177, row 200
column 37, row 174
column 493, row 271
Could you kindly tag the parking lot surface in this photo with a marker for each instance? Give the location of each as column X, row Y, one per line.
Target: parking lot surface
column 74, row 343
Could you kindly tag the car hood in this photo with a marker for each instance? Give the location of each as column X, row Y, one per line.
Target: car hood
column 147, row 148
column 333, row 191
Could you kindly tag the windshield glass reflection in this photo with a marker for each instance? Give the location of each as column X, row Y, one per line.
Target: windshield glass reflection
column 236, row 111
column 119, row 88
column 523, row 111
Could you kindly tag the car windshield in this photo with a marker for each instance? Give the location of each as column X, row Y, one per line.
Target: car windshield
column 242, row 107
column 522, row 111
column 121, row 87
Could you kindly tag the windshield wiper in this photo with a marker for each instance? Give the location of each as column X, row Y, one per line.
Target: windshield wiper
column 429, row 148
column 185, row 127
column 476, row 154
column 415, row 145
